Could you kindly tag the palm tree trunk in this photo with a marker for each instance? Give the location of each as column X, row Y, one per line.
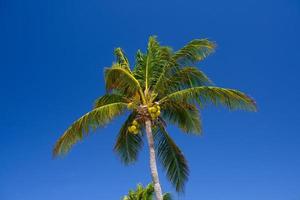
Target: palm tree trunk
column 153, row 167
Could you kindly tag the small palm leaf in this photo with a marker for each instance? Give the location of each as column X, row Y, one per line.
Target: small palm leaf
column 128, row 145
column 93, row 119
column 167, row 196
column 122, row 59
column 171, row 158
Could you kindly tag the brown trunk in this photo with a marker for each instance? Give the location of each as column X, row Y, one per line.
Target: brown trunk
column 153, row 167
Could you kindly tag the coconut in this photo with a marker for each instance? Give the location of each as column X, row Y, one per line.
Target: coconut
column 158, row 113
column 135, row 122
column 154, row 109
column 133, row 128
column 158, row 107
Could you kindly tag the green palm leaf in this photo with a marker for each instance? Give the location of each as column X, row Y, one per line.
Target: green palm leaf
column 171, row 158
column 110, row 98
column 184, row 115
column 182, row 78
column 144, row 193
column 194, row 51
column 128, row 145
column 93, row 119
column 230, row 98
column 122, row 80
column 122, row 60
column 150, row 66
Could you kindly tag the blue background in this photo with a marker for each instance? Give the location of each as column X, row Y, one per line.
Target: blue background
column 52, row 55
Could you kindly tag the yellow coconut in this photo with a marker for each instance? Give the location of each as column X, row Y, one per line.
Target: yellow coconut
column 158, row 113
column 154, row 109
column 153, row 116
column 133, row 128
column 135, row 123
column 129, row 129
column 158, row 107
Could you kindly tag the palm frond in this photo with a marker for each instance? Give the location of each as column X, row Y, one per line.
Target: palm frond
column 121, row 79
column 128, row 145
column 80, row 128
column 194, row 51
column 233, row 99
column 171, row 158
column 122, row 60
column 150, row 66
column 184, row 115
column 110, row 98
column 139, row 68
column 182, row 78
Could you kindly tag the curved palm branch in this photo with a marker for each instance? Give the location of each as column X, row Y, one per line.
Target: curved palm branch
column 122, row 80
column 93, row 119
column 182, row 78
column 194, row 51
column 128, row 145
column 171, row 158
column 110, row 98
column 230, row 98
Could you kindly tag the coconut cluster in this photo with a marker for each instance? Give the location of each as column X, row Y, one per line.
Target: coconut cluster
column 154, row 111
column 134, row 127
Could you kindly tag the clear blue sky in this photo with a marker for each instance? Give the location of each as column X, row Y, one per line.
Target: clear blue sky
column 52, row 55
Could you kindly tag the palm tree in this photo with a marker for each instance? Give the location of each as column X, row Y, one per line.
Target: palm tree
column 164, row 86
column 142, row 193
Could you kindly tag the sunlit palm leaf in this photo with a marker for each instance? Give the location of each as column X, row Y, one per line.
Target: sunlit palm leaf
column 128, row 145
column 230, row 98
column 121, row 79
column 194, row 51
column 110, row 98
column 149, row 66
column 182, row 78
column 80, row 128
column 171, row 158
column 122, row 59
column 144, row 193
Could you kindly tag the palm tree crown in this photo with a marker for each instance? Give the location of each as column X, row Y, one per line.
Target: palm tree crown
column 164, row 86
